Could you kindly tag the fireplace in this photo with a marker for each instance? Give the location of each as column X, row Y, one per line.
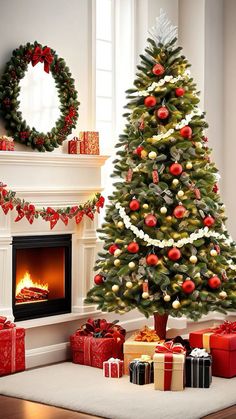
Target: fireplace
column 41, row 276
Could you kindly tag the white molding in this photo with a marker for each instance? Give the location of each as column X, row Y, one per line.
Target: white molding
column 40, row 190
column 51, row 159
column 47, row 355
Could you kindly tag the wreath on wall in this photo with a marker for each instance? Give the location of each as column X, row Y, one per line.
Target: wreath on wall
column 15, row 70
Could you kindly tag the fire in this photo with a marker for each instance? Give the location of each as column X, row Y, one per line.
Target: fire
column 27, row 282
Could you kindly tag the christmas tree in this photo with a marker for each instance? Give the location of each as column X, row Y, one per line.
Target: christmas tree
column 166, row 247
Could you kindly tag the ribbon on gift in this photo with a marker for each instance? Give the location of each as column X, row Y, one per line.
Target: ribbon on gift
column 199, row 353
column 42, row 56
column 100, row 328
column 225, row 328
column 168, row 349
column 147, row 335
column 110, row 362
column 7, row 324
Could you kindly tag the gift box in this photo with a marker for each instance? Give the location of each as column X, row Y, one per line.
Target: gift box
column 169, row 361
column 221, row 343
column 97, row 341
column 74, row 146
column 113, row 368
column 12, row 347
column 143, row 342
column 6, row 143
column 198, row 369
column 141, row 370
column 89, row 142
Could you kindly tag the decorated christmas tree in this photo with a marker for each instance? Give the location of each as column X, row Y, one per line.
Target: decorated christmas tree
column 166, row 247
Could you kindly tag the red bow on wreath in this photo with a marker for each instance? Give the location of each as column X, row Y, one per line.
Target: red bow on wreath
column 225, row 328
column 42, row 56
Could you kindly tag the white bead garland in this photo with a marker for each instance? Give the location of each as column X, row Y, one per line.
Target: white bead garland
column 164, row 80
column 202, row 232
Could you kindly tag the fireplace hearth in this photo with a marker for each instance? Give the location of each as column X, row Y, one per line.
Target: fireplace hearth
column 41, row 276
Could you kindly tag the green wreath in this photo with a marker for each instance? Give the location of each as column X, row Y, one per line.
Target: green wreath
column 9, row 91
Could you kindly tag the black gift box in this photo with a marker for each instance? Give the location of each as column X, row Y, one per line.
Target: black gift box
column 198, row 371
column 141, row 372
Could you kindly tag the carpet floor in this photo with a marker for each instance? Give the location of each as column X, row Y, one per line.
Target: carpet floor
column 84, row 389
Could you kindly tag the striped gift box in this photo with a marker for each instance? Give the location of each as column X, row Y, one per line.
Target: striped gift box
column 141, row 370
column 198, row 369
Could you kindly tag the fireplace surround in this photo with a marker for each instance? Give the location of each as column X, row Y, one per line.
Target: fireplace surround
column 41, row 275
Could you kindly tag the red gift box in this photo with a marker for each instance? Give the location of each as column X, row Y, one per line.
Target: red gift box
column 96, row 342
column 221, row 342
column 6, row 143
column 73, row 146
column 12, row 348
column 89, row 142
column 113, row 368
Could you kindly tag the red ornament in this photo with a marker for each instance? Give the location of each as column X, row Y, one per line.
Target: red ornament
column 98, row 279
column 150, row 220
column 138, row 150
column 186, row 132
column 152, row 259
column 176, row 169
column 113, row 248
column 174, row 254
column 158, row 69
column 215, row 188
column 188, row 286
column 180, row 91
column 150, row 101
column 134, row 205
column 179, row 211
column 208, row 221
column 214, row 282
column 162, row 112
column 133, row 247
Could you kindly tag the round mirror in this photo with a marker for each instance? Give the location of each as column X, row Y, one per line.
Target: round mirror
column 38, row 99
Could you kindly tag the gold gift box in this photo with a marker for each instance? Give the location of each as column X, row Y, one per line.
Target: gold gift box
column 134, row 349
column 177, row 379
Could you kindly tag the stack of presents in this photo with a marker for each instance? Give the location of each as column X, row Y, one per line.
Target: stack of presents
column 170, row 365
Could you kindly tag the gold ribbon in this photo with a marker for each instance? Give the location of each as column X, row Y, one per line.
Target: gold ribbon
column 206, row 341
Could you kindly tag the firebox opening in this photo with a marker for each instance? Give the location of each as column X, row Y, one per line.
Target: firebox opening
column 42, row 275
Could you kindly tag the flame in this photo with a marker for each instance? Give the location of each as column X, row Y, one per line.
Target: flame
column 27, row 282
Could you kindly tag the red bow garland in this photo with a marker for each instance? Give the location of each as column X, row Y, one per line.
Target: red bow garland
column 8, row 201
column 42, row 56
column 69, row 118
column 226, row 328
column 168, row 349
column 100, row 328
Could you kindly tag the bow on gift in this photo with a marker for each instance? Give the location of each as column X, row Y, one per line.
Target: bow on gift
column 100, row 328
column 199, row 353
column 6, row 324
column 147, row 335
column 170, row 347
column 226, row 328
column 42, row 56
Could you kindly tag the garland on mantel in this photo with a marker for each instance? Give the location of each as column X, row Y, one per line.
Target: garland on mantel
column 9, row 201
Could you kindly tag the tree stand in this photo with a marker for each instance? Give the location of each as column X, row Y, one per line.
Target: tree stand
column 160, row 322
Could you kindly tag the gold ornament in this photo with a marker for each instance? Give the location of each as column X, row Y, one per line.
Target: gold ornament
column 163, row 210
column 145, row 206
column 145, row 295
column 198, row 145
column 179, row 277
column 167, row 297
column 131, row 265
column 176, row 304
column 120, row 224
column 175, row 182
column 129, row 284
column 115, row 288
column 117, row 262
column 144, row 154
column 152, row 155
column 193, row 259
column 213, row 252
column 180, row 194
column 169, row 218
column 133, row 217
column 189, row 165
column 117, row 252
column 222, row 294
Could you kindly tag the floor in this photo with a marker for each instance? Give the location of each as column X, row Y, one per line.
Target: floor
column 12, row 408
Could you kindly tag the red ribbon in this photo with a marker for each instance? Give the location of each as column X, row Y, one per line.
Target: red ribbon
column 100, row 328
column 42, row 56
column 225, row 328
column 168, row 349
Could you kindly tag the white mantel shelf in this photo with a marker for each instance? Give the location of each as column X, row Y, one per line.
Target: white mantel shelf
column 51, row 159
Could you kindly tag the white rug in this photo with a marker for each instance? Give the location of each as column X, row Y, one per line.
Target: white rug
column 84, row 389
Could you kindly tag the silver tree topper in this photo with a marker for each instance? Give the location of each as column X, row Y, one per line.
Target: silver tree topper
column 163, row 31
